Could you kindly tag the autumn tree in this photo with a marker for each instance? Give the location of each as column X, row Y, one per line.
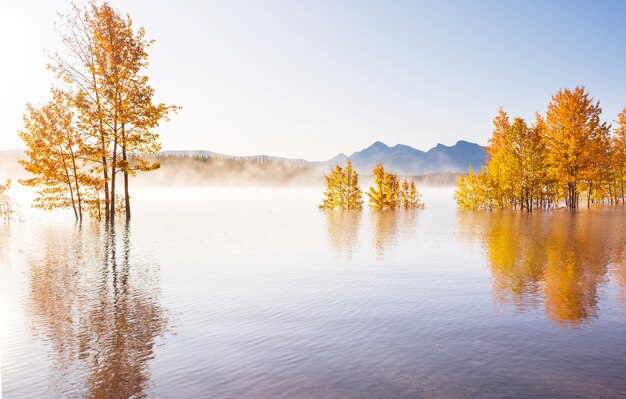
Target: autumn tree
column 573, row 136
column 499, row 183
column 55, row 155
column 102, row 65
column 385, row 194
column 515, row 170
column 503, row 163
column 619, row 155
column 539, row 189
column 528, row 152
column 515, row 175
column 410, row 197
column 471, row 191
column 342, row 189
column 389, row 193
column 568, row 156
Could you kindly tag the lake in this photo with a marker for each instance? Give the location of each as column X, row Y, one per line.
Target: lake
column 254, row 293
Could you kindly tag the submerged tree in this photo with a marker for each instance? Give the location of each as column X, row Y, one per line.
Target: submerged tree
column 566, row 156
column 342, row 189
column 410, row 197
column 55, row 155
column 388, row 193
column 619, row 156
column 385, row 194
column 574, row 140
column 7, row 207
column 102, row 66
column 472, row 191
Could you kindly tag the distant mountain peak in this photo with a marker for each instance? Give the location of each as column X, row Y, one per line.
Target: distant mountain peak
column 407, row 160
column 379, row 145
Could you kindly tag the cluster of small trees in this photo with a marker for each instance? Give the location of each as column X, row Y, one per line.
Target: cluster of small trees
column 98, row 124
column 343, row 191
column 388, row 193
column 567, row 156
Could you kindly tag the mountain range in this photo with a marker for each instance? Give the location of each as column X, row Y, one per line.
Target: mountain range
column 400, row 158
column 407, row 160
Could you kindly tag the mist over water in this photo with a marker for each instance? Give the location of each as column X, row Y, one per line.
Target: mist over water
column 253, row 292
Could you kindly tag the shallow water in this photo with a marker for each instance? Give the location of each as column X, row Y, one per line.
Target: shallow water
column 255, row 293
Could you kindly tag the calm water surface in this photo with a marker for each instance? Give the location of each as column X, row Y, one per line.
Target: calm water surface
column 234, row 293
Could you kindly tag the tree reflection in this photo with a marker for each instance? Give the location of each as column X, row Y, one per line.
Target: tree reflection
column 5, row 234
column 343, row 230
column 99, row 311
column 385, row 224
column 389, row 225
column 556, row 260
column 343, row 227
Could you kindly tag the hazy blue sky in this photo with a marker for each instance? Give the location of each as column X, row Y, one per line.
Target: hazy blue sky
column 310, row 79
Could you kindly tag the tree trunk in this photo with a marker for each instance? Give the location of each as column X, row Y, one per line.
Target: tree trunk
column 113, row 171
column 124, row 157
column 106, row 182
column 75, row 169
column 69, row 185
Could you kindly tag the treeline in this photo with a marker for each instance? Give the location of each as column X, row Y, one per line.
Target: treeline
column 566, row 157
column 343, row 191
column 100, row 118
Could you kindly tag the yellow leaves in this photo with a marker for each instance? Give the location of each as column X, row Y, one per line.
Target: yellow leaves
column 386, row 190
column 568, row 155
column 388, row 193
column 342, row 189
column 7, row 206
column 55, row 154
column 103, row 123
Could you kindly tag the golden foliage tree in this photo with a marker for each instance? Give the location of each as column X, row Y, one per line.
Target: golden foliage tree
column 102, row 65
column 472, row 191
column 385, row 194
column 566, row 156
column 573, row 136
column 389, row 193
column 502, row 163
column 619, row 155
column 55, row 156
column 342, row 189
column 410, row 197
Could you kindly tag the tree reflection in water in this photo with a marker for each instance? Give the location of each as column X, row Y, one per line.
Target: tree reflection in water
column 557, row 260
column 99, row 311
column 343, row 230
column 390, row 225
